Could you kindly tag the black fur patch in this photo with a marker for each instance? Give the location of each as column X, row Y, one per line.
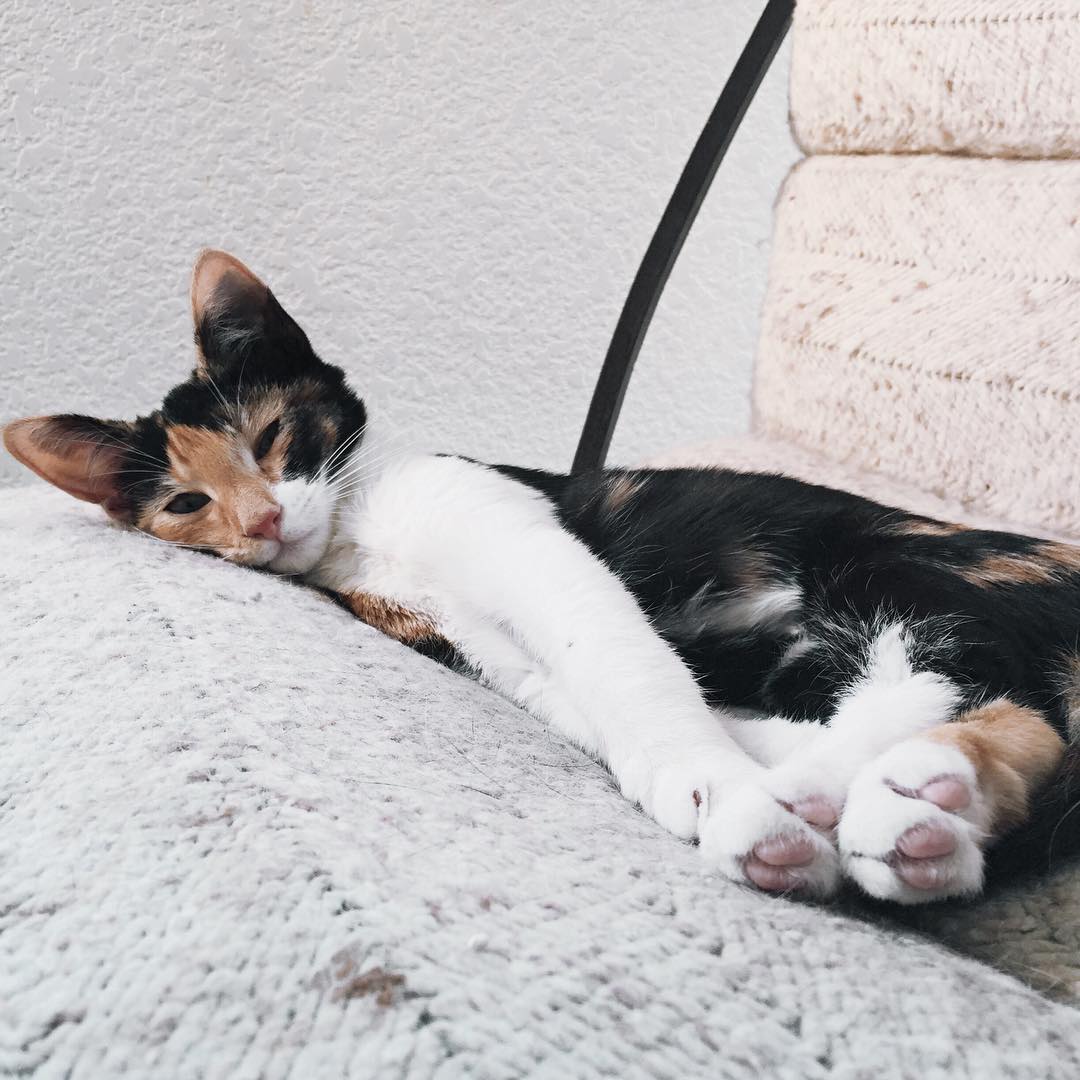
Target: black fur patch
column 855, row 564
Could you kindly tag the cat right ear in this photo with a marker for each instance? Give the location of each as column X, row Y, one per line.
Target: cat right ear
column 78, row 454
column 237, row 318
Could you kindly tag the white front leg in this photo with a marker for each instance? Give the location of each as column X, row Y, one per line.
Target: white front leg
column 553, row 628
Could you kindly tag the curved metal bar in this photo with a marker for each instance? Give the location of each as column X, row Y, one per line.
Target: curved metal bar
column 670, row 234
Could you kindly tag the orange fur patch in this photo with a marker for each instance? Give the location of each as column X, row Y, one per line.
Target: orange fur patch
column 219, row 464
column 622, row 490
column 1045, row 563
column 1067, row 556
column 392, row 619
column 751, row 569
column 1014, row 750
column 923, row 527
column 1010, row 569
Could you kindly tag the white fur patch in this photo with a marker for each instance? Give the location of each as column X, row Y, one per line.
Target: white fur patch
column 771, row 606
column 542, row 618
column 769, row 740
column 306, row 523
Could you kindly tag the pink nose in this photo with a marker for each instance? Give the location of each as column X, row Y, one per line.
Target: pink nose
column 268, row 526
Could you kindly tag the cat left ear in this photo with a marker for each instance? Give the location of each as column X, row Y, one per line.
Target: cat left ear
column 78, row 454
column 237, row 317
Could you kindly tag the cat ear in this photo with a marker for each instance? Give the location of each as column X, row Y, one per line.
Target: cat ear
column 238, row 318
column 79, row 454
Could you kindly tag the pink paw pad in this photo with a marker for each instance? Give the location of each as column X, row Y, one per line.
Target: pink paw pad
column 771, row 864
column 816, row 810
column 920, row 859
column 770, row 878
column 926, row 842
column 948, row 792
column 785, row 851
column 923, row 873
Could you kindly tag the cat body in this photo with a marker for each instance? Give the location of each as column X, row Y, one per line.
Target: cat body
column 916, row 677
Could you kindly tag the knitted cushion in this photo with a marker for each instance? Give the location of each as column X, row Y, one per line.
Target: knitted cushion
column 979, row 76
column 245, row 837
column 922, row 322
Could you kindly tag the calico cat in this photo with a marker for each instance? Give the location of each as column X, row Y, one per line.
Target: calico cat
column 921, row 678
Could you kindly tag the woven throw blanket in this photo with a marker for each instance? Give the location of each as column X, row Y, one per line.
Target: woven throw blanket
column 242, row 835
column 988, row 77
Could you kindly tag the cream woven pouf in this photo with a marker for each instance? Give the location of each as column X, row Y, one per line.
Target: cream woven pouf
column 923, row 322
column 990, row 77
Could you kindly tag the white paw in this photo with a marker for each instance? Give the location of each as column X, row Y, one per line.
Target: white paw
column 914, row 825
column 676, row 787
column 752, row 838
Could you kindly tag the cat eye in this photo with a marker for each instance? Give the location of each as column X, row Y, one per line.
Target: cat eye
column 188, row 503
column 266, row 439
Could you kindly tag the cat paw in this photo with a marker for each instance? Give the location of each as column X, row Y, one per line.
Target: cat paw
column 752, row 837
column 676, row 788
column 914, row 825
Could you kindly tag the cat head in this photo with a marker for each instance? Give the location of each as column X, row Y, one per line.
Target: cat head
column 245, row 459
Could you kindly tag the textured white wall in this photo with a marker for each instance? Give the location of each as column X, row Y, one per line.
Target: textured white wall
column 452, row 198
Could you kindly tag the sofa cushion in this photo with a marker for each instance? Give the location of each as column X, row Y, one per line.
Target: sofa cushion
column 988, row 77
column 920, row 322
column 244, row 835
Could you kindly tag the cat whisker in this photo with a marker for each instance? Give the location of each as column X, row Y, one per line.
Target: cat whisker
column 120, row 444
column 341, row 449
column 217, row 390
column 364, row 463
column 240, row 380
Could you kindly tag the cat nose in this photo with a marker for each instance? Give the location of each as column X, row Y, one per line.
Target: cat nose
column 268, row 526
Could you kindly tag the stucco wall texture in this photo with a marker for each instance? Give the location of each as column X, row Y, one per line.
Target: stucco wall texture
column 451, row 197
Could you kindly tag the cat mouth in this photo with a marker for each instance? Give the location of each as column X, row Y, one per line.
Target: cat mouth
column 298, row 554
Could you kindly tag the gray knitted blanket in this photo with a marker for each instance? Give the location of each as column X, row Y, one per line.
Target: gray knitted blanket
column 242, row 835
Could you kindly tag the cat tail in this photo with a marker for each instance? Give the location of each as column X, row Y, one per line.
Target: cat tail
column 1051, row 835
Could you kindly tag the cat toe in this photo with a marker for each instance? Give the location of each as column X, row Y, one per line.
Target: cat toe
column 785, row 850
column 674, row 788
column 926, row 841
column 950, row 793
column 818, row 810
column 771, row 878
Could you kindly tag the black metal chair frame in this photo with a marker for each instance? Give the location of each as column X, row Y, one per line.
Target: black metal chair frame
column 667, row 241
